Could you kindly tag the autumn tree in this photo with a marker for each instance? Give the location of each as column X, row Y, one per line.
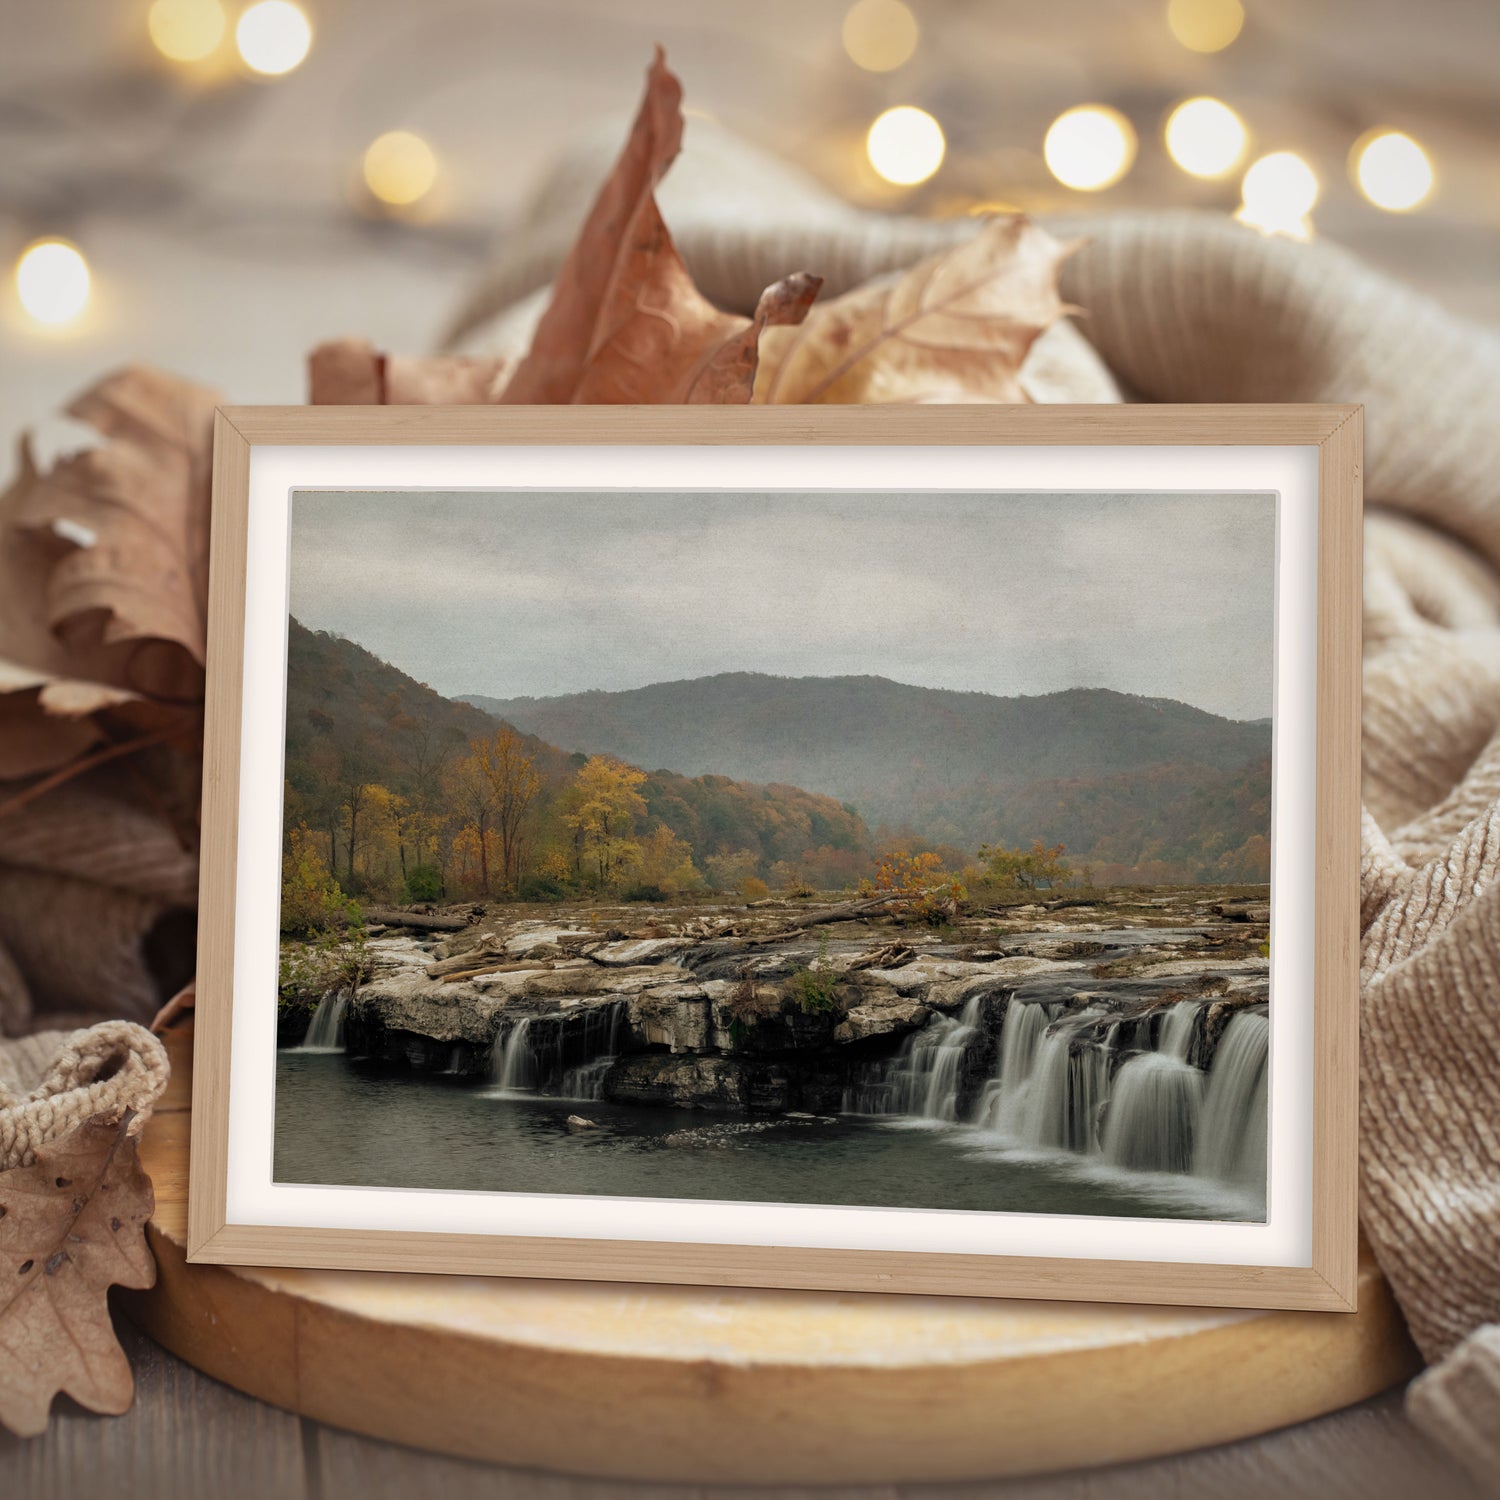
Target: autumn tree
column 472, row 795
column 667, row 861
column 729, row 872
column 600, row 809
column 504, row 764
column 311, row 901
column 1025, row 869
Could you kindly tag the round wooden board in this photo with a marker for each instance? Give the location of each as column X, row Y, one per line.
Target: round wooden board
column 711, row 1385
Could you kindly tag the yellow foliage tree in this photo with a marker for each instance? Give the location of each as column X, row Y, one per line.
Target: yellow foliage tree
column 600, row 809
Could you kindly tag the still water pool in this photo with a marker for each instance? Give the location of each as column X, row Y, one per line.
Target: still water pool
column 339, row 1124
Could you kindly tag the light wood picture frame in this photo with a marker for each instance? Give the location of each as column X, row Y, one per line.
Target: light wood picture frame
column 1300, row 1254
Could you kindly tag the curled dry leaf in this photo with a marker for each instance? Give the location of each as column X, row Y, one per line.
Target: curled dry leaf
column 350, row 372
column 71, row 1226
column 179, row 1005
column 625, row 323
column 954, row 327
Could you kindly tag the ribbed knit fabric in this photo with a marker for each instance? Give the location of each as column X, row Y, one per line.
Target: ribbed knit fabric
column 1187, row 307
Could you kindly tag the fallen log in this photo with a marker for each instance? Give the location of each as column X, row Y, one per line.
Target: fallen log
column 495, row 966
column 420, row 921
column 843, row 913
column 484, row 953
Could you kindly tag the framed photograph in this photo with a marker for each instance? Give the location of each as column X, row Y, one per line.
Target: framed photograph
column 888, row 849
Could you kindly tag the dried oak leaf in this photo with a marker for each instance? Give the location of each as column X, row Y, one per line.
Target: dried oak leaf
column 104, row 575
column 71, row 1226
column 954, row 327
column 625, row 323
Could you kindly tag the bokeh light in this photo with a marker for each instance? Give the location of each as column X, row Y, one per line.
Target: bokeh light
column 1205, row 25
column 880, row 35
column 400, row 167
column 273, row 36
column 1279, row 191
column 905, row 145
column 52, row 281
column 186, row 30
column 1392, row 170
column 1090, row 147
column 1206, row 138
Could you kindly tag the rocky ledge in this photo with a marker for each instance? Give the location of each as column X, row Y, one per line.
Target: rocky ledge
column 747, row 1010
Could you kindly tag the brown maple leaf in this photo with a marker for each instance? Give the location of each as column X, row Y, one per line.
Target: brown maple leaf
column 954, row 327
column 71, row 1226
column 104, row 579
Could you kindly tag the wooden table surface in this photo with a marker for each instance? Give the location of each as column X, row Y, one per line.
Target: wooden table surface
column 190, row 1436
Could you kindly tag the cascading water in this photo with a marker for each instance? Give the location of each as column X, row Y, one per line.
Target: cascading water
column 1068, row 1086
column 1159, row 1112
column 1177, row 1029
column 1232, row 1133
column 513, row 1065
column 567, row 1057
column 922, row 1080
column 1153, row 1114
column 1004, row 1097
column 601, row 1046
column 325, row 1033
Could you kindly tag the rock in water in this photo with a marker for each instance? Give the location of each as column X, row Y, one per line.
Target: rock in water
column 577, row 1122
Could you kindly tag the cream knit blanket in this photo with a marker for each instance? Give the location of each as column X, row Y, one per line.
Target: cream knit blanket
column 1184, row 307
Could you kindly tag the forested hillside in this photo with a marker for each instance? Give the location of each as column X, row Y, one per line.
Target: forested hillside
column 406, row 792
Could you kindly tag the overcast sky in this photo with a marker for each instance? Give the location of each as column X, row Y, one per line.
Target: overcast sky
column 518, row 594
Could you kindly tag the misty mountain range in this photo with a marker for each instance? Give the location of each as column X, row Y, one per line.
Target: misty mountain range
column 953, row 766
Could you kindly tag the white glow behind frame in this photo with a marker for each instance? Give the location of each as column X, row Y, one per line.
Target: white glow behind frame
column 1285, row 1239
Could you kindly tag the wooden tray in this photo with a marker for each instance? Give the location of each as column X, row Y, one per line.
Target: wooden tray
column 706, row 1385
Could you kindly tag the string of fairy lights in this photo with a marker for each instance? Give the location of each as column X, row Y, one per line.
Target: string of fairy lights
column 1087, row 148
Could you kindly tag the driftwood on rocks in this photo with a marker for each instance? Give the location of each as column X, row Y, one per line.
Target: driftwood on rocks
column 421, row 921
column 486, row 953
column 843, row 913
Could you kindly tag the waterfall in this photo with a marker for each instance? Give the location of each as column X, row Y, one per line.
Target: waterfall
column 601, row 1046
column 1153, row 1113
column 1232, row 1133
column 922, row 1081
column 565, row 1055
column 325, row 1033
column 1004, row 1096
column 1177, row 1029
column 1066, row 1090
column 513, row 1064
column 1159, row 1112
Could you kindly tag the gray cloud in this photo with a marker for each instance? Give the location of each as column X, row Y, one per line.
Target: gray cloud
column 526, row 593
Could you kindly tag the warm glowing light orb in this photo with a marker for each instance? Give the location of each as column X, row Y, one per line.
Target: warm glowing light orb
column 1090, row 147
column 1279, row 191
column 1206, row 138
column 273, row 36
column 400, row 167
column 905, row 145
column 1392, row 171
column 185, row 30
column 1205, row 25
column 880, row 35
column 52, row 281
